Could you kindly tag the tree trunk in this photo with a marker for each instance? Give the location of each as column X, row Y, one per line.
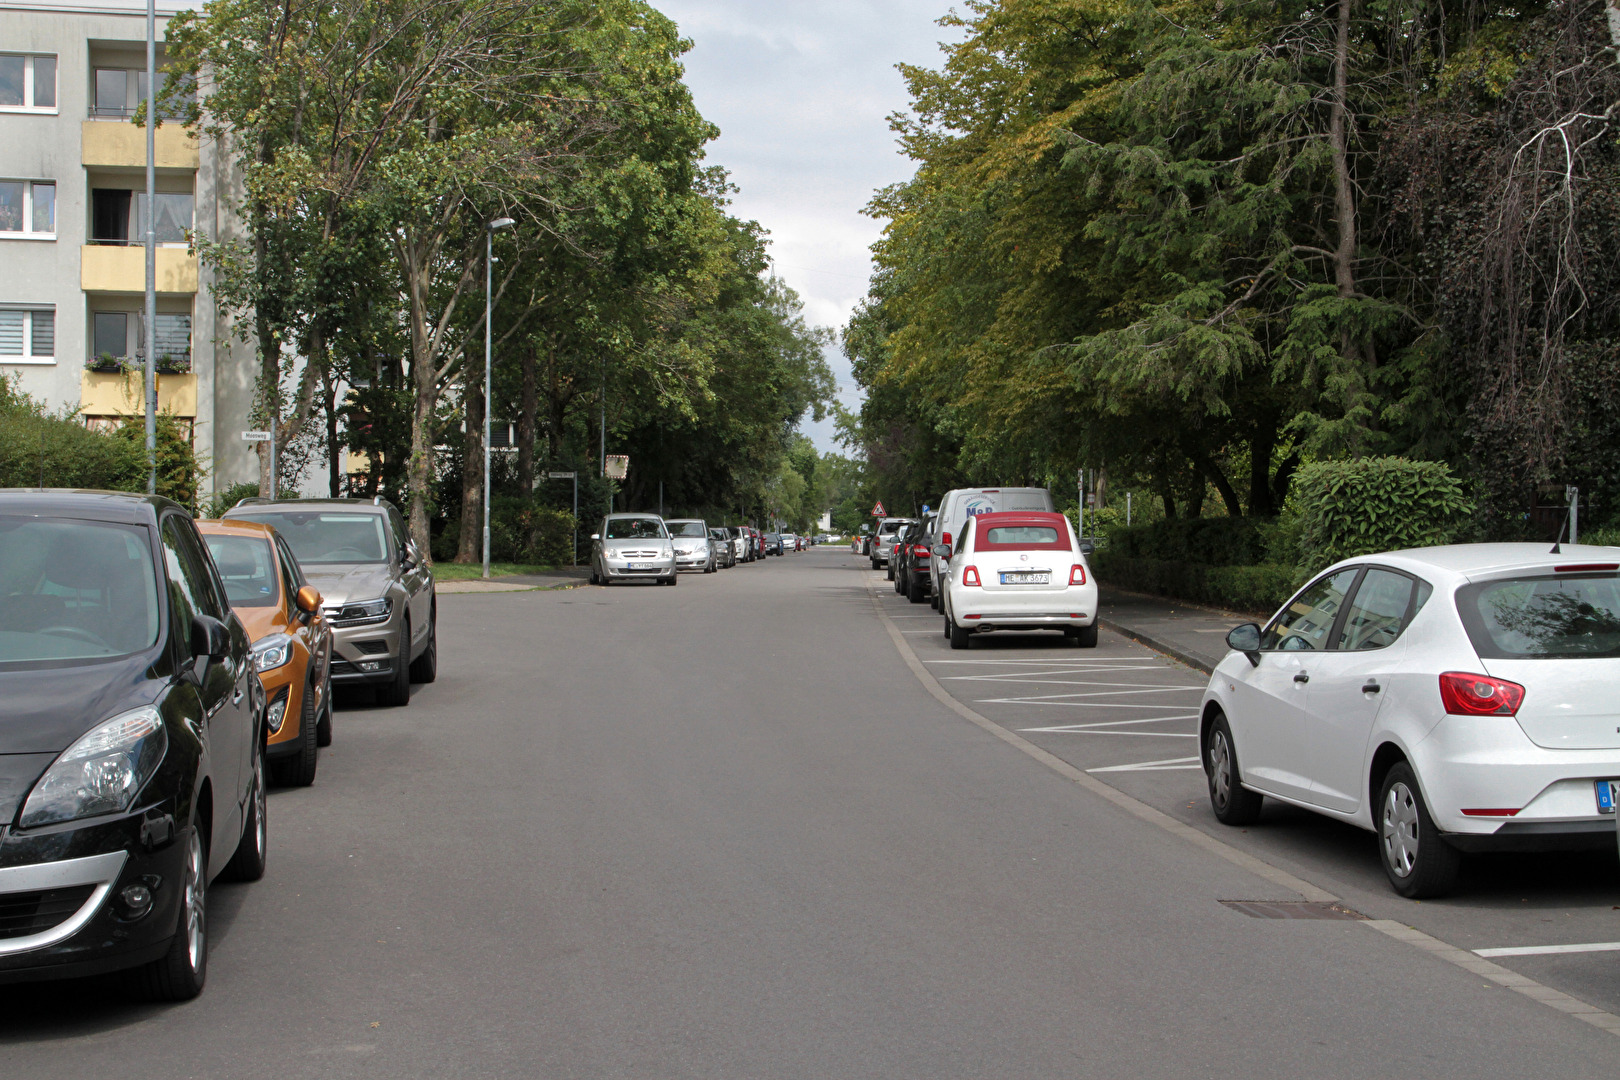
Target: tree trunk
column 425, row 383
column 469, row 544
column 527, row 408
column 1262, row 443
column 1344, row 207
column 1212, row 472
column 334, row 452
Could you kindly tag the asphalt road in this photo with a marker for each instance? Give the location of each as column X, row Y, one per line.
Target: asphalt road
column 723, row 831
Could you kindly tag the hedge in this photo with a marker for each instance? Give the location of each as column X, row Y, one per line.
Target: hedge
column 1341, row 509
column 520, row 531
column 1260, row 590
column 1212, row 541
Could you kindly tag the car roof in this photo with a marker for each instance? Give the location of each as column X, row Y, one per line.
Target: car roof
column 1471, row 561
column 1011, row 517
column 120, row 506
column 236, row 526
column 276, row 506
column 634, row 514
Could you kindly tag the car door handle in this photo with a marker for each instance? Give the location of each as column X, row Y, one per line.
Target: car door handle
column 1301, row 677
column 1370, row 687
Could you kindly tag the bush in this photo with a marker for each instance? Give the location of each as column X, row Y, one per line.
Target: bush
column 224, row 500
column 1256, row 589
column 37, row 449
column 520, row 531
column 1341, row 509
column 178, row 473
column 1212, row 541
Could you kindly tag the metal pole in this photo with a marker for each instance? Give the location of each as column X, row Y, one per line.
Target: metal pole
column 151, row 245
column 1081, row 516
column 1127, row 509
column 275, row 407
column 489, row 305
column 574, row 558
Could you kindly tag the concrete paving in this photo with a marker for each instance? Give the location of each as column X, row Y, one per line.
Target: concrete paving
column 724, row 831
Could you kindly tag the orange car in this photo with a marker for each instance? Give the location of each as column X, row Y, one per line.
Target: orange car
column 292, row 643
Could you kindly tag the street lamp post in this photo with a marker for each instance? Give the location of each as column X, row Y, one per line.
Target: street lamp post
column 489, row 308
column 149, row 331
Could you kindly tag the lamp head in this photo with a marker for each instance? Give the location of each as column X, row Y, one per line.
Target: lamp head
column 501, row 223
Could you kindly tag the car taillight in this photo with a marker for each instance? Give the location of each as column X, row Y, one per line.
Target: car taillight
column 919, row 549
column 1479, row 695
column 970, row 575
column 1077, row 575
column 945, row 539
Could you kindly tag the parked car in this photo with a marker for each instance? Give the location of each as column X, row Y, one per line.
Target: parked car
column 131, row 740
column 915, row 583
column 757, row 541
column 883, row 541
column 692, row 548
column 377, row 589
column 789, row 541
column 773, row 542
column 960, row 504
column 739, row 543
column 630, row 546
column 724, row 548
column 1018, row 570
column 1448, row 699
column 292, row 642
column 899, row 561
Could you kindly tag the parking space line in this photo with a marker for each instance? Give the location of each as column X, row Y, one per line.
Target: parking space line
column 1549, row 950
column 1109, row 724
column 1167, row 765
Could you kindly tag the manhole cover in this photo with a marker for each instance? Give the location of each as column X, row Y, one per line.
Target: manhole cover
column 1291, row 909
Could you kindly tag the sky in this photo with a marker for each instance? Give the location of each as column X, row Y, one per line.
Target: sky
column 801, row 91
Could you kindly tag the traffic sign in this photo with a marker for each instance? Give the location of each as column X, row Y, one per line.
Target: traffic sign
column 255, row 436
column 561, row 475
column 878, row 511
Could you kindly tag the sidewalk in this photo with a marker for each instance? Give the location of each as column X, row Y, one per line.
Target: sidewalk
column 564, row 577
column 1194, row 635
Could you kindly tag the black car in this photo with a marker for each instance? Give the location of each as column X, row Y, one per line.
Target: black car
column 916, row 583
column 773, row 543
column 131, row 741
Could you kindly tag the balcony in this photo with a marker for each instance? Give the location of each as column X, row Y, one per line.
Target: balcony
column 110, row 143
column 122, row 269
column 119, row 394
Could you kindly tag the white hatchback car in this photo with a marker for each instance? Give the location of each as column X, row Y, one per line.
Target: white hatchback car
column 1449, row 699
column 1018, row 570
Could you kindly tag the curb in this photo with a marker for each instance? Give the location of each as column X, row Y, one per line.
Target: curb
column 1157, row 645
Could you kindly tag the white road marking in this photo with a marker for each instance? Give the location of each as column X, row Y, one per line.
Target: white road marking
column 1104, row 660
column 1548, row 950
column 1167, row 765
column 1110, row 723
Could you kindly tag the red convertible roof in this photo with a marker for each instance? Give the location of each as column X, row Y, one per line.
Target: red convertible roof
column 1001, row 519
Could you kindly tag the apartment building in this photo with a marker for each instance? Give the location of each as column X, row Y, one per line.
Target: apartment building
column 73, row 212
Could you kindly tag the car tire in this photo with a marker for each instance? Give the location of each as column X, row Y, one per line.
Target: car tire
column 960, row 638
column 180, row 973
column 299, row 769
column 675, row 578
column 891, row 570
column 594, row 579
column 933, row 601
column 398, row 692
column 916, row 594
column 425, row 668
column 1417, row 860
column 323, row 726
column 1083, row 636
column 253, row 848
column 1233, row 803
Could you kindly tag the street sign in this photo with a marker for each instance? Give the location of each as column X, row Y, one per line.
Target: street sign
column 562, row 475
column 255, row 436
column 878, row 511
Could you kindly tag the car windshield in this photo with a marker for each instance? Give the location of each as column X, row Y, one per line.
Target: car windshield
column 329, row 536
column 1544, row 616
column 634, row 529
column 74, row 590
column 687, row 528
column 247, row 566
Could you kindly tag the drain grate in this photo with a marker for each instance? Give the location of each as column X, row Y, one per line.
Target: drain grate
column 1291, row 909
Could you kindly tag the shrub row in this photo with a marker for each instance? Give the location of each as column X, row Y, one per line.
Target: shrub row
column 1213, row 541
column 1259, row 590
column 520, row 531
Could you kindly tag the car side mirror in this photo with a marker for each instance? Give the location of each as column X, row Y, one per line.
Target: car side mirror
column 596, row 536
column 1087, row 548
column 308, row 600
column 209, row 637
column 1246, row 640
column 942, row 550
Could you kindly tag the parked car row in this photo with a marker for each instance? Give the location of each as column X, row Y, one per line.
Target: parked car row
column 627, row 547
column 156, row 673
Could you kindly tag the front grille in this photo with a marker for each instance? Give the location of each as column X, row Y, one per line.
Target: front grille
column 636, row 555
column 370, row 648
column 27, row 913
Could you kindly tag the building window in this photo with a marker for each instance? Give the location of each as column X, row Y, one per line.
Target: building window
column 120, row 91
column 27, row 209
column 118, row 216
column 27, row 83
column 172, row 335
column 111, row 335
column 119, row 336
column 27, row 336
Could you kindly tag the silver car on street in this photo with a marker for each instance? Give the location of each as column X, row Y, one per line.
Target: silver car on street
column 693, row 551
column 630, row 546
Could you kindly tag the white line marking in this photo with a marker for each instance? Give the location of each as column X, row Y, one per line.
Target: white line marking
column 1101, row 660
column 1548, row 950
column 1153, row 766
column 1110, row 724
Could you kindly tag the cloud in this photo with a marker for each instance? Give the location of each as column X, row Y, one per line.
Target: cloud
column 802, row 93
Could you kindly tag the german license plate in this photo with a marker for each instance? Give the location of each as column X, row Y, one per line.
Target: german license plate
column 1027, row 577
column 1605, row 795
column 634, row 565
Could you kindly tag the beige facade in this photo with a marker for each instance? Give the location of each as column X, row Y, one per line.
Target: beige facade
column 72, row 223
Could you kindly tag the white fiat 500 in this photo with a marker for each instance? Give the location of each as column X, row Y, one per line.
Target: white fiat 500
column 1018, row 570
column 1449, row 699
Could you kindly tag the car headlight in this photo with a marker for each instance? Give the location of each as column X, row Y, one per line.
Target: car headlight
column 102, row 772
column 271, row 652
column 363, row 612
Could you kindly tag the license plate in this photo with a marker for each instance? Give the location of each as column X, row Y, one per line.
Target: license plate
column 1027, row 577
column 634, row 565
column 1605, row 795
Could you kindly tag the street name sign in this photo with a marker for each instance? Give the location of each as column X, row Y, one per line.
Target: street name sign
column 255, row 436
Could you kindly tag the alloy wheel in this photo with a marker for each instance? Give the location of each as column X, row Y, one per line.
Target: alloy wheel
column 1220, row 767
column 194, row 897
column 1398, row 829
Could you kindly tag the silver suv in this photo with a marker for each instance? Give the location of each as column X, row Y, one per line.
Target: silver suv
column 376, row 589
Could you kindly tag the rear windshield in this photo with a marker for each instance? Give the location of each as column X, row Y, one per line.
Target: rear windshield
column 329, row 536
column 246, row 566
column 1021, row 535
column 74, row 590
column 634, row 529
column 1545, row 616
column 687, row 528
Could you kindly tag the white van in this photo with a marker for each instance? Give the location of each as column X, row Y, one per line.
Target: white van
column 962, row 503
